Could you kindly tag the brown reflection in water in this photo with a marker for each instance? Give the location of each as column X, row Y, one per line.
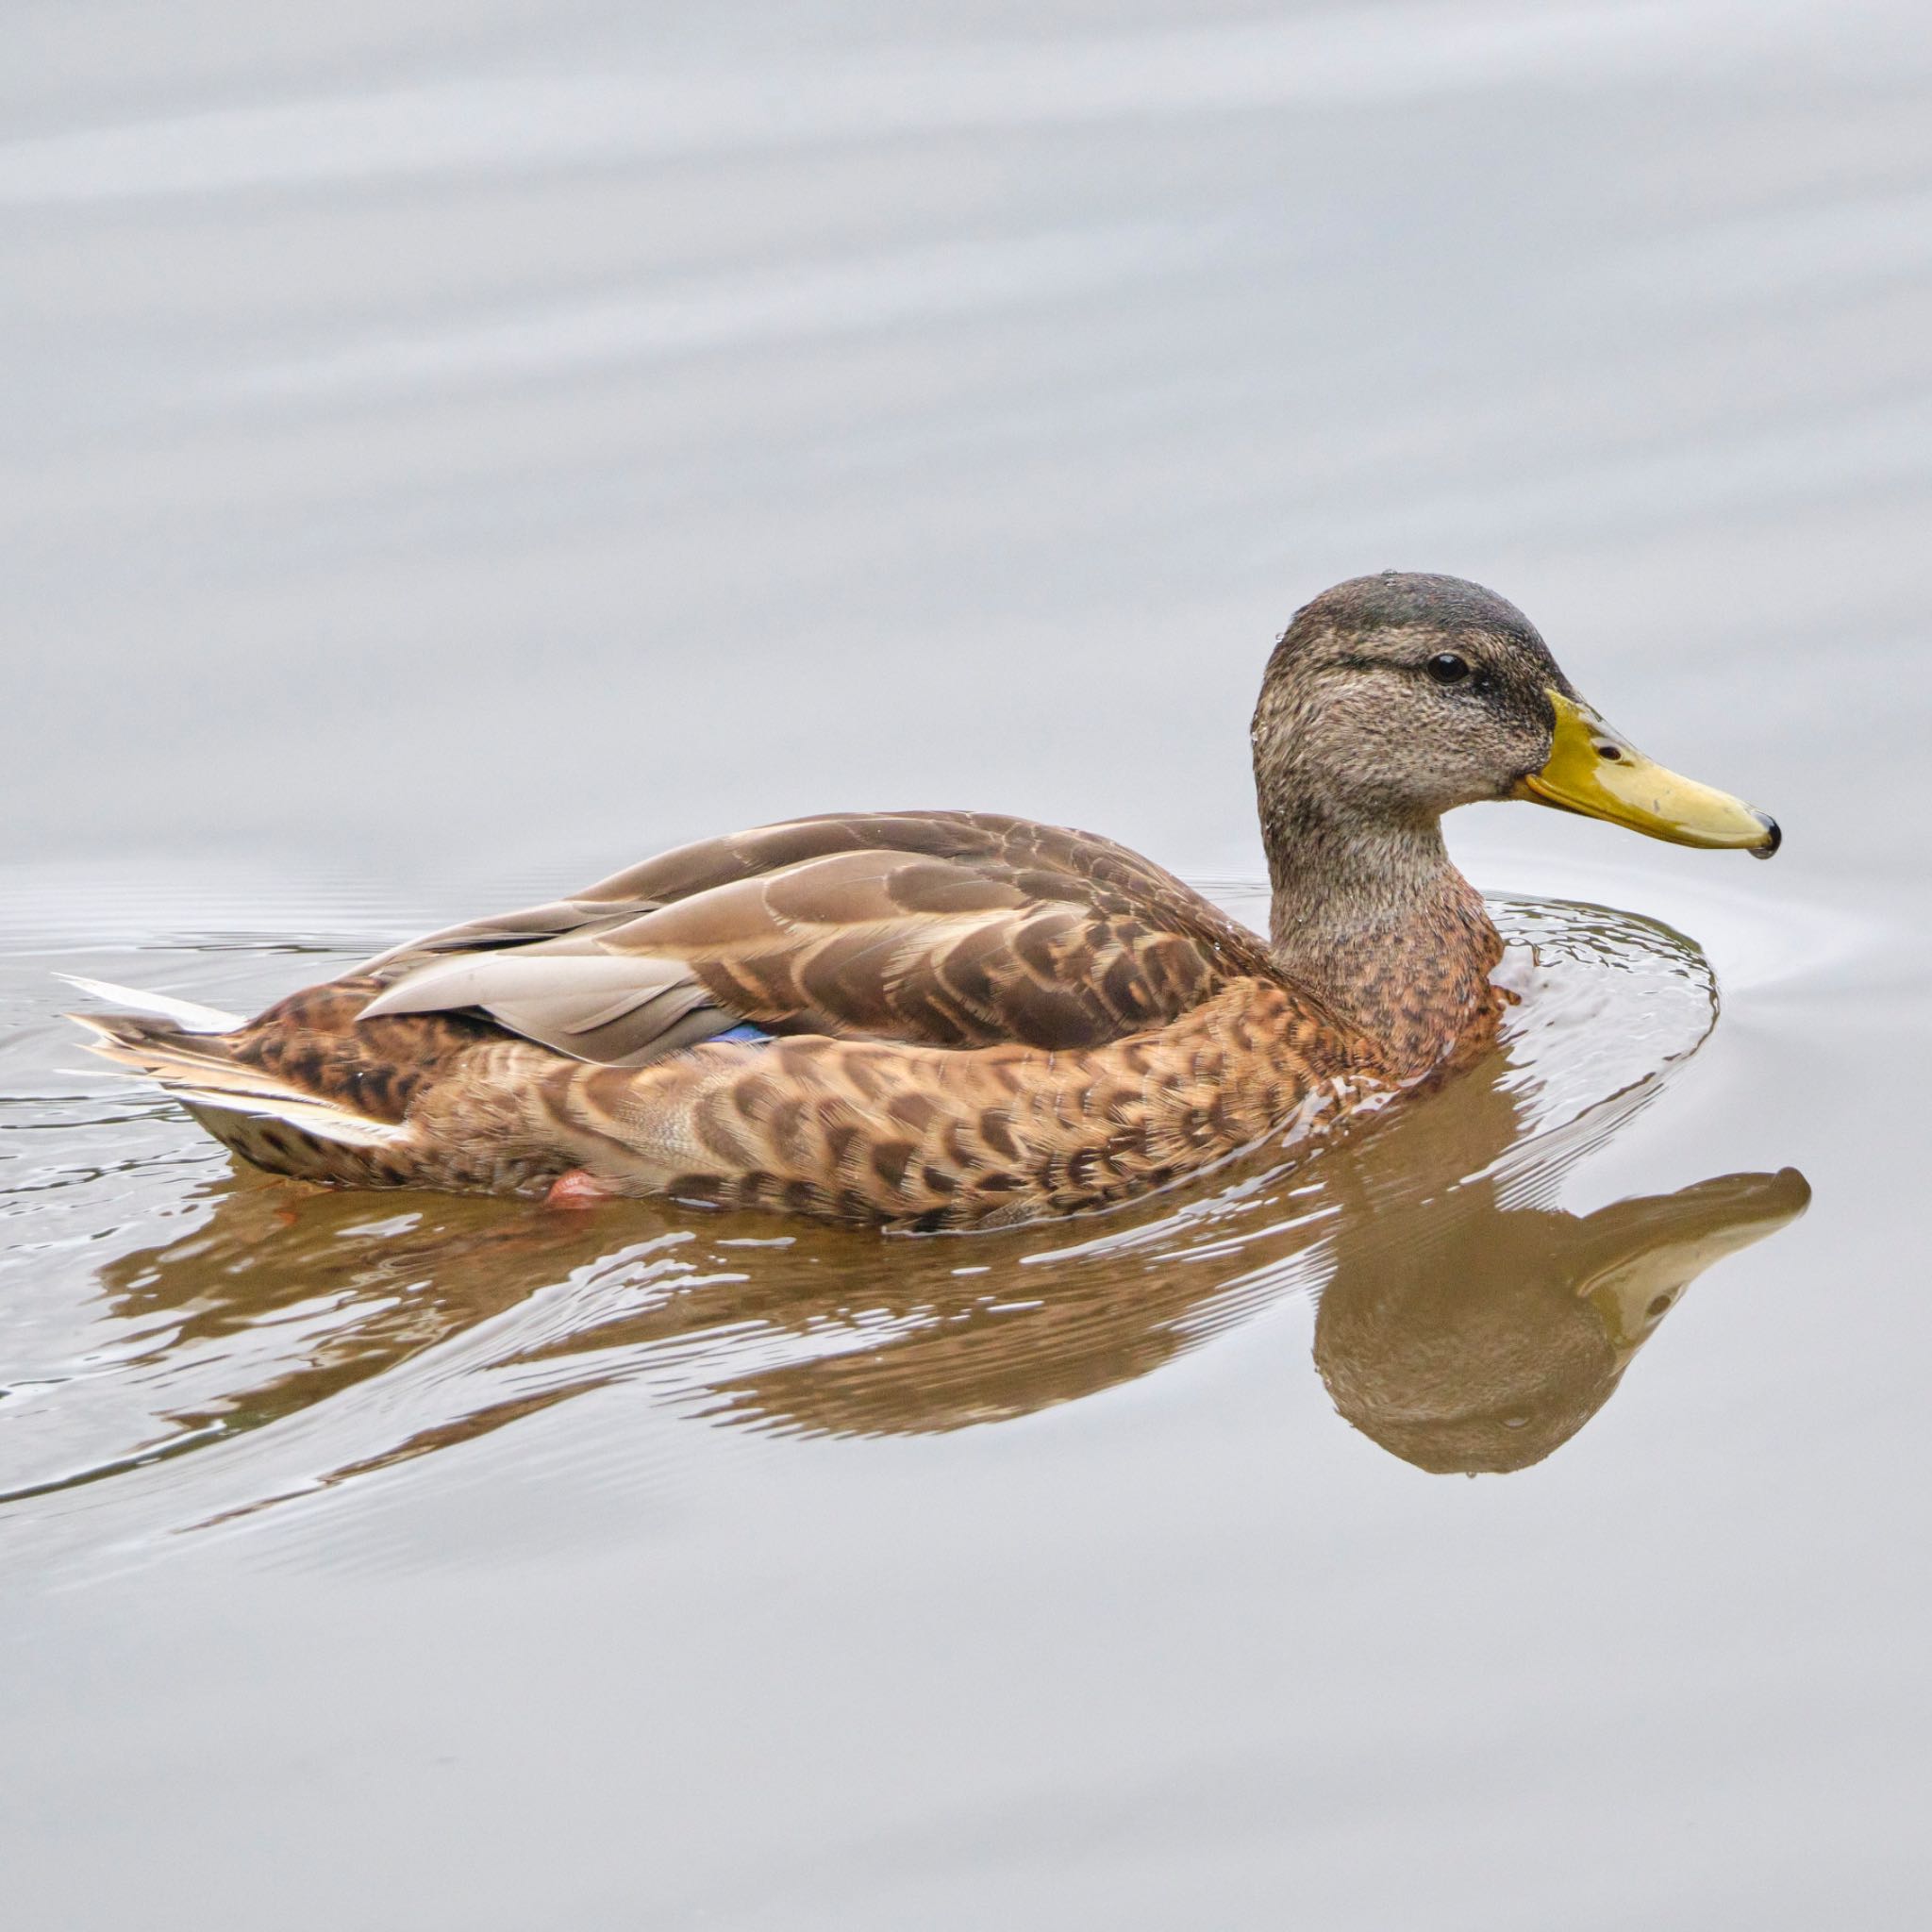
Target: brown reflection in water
column 1499, row 1333
column 1462, row 1327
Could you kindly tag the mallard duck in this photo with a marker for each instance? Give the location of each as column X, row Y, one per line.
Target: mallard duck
column 955, row 1019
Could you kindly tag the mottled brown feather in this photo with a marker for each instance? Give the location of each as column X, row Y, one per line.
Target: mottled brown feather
column 950, row 929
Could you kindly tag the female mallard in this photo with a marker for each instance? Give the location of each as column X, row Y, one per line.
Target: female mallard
column 957, row 1019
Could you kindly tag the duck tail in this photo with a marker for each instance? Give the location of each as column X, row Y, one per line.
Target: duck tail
column 224, row 1092
column 189, row 1015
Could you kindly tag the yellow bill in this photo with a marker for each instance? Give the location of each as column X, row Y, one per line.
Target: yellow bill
column 1595, row 771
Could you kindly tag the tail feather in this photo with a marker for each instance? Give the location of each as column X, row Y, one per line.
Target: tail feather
column 190, row 1016
column 201, row 1071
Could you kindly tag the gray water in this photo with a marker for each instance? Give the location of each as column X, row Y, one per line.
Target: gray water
column 453, row 451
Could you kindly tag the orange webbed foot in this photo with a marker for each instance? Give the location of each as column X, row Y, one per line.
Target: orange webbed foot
column 576, row 1188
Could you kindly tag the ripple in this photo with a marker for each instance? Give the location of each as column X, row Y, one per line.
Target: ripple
column 287, row 1342
column 485, row 122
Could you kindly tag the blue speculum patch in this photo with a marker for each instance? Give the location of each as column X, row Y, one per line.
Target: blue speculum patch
column 745, row 1032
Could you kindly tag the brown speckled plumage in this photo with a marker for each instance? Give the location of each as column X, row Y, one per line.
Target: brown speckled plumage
column 976, row 1020
column 862, row 1130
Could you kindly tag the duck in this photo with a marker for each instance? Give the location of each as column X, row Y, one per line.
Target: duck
column 953, row 1020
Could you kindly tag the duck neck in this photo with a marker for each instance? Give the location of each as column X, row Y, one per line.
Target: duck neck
column 1374, row 918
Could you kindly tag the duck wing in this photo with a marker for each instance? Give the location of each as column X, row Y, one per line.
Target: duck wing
column 950, row 929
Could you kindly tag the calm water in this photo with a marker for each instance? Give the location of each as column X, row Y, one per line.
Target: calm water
column 455, row 451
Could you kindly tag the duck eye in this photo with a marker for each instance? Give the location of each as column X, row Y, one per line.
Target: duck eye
column 1446, row 667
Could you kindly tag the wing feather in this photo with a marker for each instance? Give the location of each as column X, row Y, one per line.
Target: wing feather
column 950, row 929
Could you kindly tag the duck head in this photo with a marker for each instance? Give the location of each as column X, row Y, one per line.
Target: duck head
column 1391, row 699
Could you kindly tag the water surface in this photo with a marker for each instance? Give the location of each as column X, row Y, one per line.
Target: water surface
column 454, row 453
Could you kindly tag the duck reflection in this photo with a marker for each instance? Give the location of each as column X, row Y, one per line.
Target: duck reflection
column 1463, row 1323
column 1494, row 1339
